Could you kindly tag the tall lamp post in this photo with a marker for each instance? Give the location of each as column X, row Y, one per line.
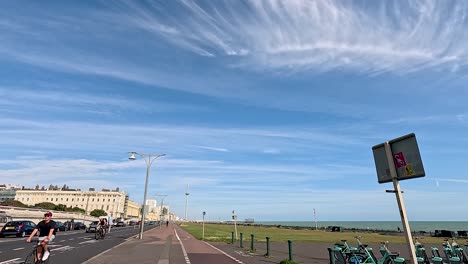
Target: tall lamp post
column 149, row 159
column 161, row 213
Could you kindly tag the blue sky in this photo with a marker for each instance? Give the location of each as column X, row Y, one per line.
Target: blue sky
column 268, row 108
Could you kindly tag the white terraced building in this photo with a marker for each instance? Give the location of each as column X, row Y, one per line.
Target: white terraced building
column 111, row 201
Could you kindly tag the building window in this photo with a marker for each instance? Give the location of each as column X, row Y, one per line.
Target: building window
column 98, row 199
column 93, row 199
column 107, row 207
column 67, row 199
column 108, row 200
column 73, row 199
column 114, row 199
column 82, row 199
column 56, row 199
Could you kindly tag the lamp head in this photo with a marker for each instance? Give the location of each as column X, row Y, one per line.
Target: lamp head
column 132, row 157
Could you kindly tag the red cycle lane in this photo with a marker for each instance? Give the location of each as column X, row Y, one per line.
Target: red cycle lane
column 199, row 252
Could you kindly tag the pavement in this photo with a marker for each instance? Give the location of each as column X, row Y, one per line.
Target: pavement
column 173, row 245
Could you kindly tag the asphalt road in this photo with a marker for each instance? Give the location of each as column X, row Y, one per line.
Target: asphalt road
column 72, row 247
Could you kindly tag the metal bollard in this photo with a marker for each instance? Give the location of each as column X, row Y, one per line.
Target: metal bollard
column 232, row 238
column 252, row 242
column 268, row 247
column 241, row 240
column 290, row 249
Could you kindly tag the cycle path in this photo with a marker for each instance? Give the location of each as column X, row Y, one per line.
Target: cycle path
column 165, row 245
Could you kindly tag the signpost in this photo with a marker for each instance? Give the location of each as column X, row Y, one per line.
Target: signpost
column 397, row 160
column 234, row 217
column 203, row 232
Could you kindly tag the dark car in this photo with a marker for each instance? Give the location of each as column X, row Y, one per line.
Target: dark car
column 59, row 226
column 92, row 227
column 19, row 228
column 120, row 224
column 79, row 225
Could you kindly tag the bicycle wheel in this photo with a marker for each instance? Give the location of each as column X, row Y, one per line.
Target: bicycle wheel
column 30, row 258
column 97, row 235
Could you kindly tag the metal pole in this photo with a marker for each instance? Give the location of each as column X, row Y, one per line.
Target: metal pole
column 401, row 205
column 267, row 246
column 290, row 249
column 203, row 233
column 315, row 219
column 161, row 213
column 252, row 242
column 235, row 225
column 148, row 165
column 186, row 201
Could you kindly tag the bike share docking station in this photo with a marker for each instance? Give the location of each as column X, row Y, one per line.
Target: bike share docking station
column 397, row 160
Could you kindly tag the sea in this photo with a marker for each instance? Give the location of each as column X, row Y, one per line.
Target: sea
column 415, row 226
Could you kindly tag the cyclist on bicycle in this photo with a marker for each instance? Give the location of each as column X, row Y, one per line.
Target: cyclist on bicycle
column 46, row 229
column 103, row 225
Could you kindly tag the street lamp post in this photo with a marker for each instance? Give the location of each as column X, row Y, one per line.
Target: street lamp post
column 149, row 159
column 161, row 211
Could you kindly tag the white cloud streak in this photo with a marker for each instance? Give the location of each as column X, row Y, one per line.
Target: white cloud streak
column 374, row 38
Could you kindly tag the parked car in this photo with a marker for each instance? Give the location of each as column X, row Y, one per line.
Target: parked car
column 92, row 227
column 17, row 228
column 79, row 225
column 120, row 224
column 59, row 226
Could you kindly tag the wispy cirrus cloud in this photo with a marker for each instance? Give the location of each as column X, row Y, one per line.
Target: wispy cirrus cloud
column 320, row 35
column 66, row 100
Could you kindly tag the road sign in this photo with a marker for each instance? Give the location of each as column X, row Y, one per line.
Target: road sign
column 204, row 213
column 406, row 158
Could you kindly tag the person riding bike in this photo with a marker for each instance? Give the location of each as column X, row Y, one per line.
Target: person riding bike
column 103, row 225
column 47, row 231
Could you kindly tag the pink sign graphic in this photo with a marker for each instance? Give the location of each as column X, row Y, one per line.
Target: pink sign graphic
column 399, row 160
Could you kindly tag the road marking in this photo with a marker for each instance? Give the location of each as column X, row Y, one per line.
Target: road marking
column 65, row 248
column 10, row 261
column 88, row 242
column 19, row 248
column 54, row 245
column 226, row 254
column 187, row 260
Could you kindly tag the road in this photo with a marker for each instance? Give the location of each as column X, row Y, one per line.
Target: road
column 72, row 247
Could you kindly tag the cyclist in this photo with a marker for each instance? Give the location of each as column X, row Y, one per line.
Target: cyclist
column 103, row 225
column 46, row 229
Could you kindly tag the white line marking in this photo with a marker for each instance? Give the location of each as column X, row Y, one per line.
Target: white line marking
column 10, row 261
column 88, row 242
column 187, row 260
column 18, row 248
column 229, row 256
column 65, row 248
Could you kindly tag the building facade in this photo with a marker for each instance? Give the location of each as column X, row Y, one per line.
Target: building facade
column 111, row 201
column 132, row 209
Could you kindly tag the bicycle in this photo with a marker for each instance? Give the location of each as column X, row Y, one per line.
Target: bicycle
column 389, row 257
column 421, row 254
column 99, row 233
column 31, row 257
column 368, row 255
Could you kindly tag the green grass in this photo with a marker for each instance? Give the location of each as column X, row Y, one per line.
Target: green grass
column 222, row 233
